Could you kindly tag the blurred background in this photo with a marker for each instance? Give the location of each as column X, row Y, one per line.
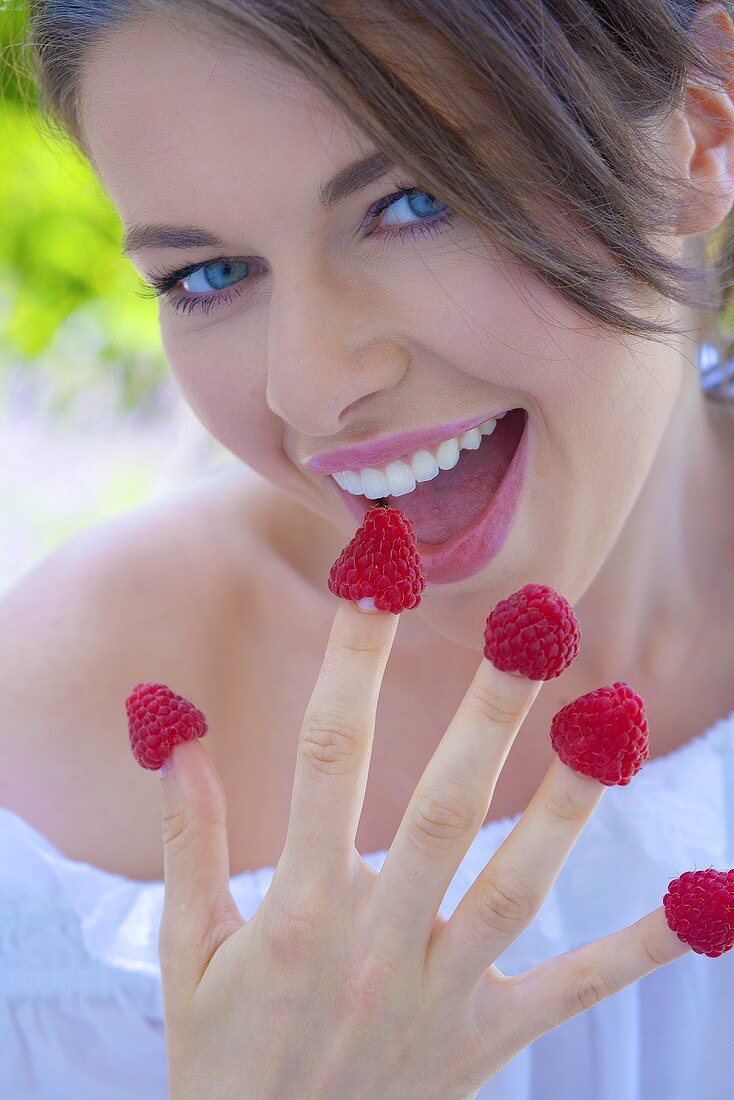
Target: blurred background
column 91, row 423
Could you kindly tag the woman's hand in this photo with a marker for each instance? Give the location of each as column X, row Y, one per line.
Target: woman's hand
column 346, row 982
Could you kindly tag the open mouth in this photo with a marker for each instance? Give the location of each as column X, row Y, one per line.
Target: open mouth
column 463, row 515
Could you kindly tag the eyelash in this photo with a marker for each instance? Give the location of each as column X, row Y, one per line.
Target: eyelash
column 162, row 283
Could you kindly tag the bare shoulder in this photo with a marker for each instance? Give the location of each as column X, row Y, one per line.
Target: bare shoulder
column 134, row 578
column 159, row 593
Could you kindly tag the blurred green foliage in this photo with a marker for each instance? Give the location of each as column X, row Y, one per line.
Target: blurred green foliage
column 60, row 260
column 14, row 83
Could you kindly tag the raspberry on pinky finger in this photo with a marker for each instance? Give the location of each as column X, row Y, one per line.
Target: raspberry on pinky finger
column 158, row 720
column 380, row 568
column 699, row 908
column 533, row 632
column 603, row 734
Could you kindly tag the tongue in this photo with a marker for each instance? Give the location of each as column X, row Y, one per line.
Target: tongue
column 449, row 502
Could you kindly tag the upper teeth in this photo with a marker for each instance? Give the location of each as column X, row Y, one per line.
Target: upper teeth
column 400, row 477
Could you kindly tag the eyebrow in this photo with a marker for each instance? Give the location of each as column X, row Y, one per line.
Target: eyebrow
column 354, row 177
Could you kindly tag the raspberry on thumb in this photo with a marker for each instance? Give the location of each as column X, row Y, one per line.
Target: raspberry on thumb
column 380, row 568
column 157, row 720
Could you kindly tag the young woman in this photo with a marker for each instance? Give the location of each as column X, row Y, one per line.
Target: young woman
column 374, row 228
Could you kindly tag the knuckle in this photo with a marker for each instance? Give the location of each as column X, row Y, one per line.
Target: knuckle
column 590, row 987
column 294, row 934
column 330, row 746
column 562, row 807
column 654, row 952
column 493, row 708
column 174, row 825
column 503, row 904
column 357, row 648
column 367, row 988
column 444, row 817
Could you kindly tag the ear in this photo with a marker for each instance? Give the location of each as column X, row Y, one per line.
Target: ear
column 708, row 120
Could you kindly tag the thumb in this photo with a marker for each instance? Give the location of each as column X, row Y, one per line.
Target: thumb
column 197, row 903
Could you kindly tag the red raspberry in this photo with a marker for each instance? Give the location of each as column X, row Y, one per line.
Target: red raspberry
column 158, row 719
column 699, row 908
column 533, row 632
column 381, row 563
column 603, row 734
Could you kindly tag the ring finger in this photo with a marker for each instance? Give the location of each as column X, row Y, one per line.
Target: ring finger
column 514, row 884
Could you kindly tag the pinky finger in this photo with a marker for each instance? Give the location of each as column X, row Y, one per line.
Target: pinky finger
column 557, row 989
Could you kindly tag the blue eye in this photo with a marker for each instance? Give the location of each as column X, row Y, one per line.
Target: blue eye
column 222, row 278
column 217, row 275
column 409, row 199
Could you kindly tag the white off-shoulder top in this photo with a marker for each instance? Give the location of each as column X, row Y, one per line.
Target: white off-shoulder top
column 81, row 1010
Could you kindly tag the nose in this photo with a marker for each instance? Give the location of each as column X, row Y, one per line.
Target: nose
column 324, row 355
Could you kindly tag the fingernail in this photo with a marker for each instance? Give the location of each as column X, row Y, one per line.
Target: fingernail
column 165, row 767
column 367, row 603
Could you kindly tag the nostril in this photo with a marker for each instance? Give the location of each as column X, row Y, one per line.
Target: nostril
column 353, row 410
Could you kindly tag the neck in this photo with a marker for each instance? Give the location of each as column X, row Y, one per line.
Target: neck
column 659, row 596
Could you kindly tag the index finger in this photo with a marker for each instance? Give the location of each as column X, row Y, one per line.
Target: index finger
column 334, row 750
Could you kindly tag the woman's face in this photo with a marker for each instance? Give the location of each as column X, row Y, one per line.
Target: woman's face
column 309, row 328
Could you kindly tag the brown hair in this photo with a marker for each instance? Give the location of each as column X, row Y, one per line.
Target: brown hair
column 533, row 119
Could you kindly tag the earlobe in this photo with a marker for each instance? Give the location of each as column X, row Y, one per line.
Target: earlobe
column 709, row 116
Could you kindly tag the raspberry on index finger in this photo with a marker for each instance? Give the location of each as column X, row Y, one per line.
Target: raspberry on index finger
column 380, row 568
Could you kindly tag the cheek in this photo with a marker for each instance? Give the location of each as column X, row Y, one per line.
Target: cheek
column 609, row 428
column 221, row 375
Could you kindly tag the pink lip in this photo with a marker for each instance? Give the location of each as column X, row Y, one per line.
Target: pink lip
column 378, row 452
column 472, row 549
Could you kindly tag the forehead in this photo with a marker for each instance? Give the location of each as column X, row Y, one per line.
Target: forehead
column 174, row 119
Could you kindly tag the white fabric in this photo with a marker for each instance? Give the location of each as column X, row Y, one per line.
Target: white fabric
column 81, row 1012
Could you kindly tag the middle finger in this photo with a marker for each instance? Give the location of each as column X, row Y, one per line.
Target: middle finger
column 449, row 805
